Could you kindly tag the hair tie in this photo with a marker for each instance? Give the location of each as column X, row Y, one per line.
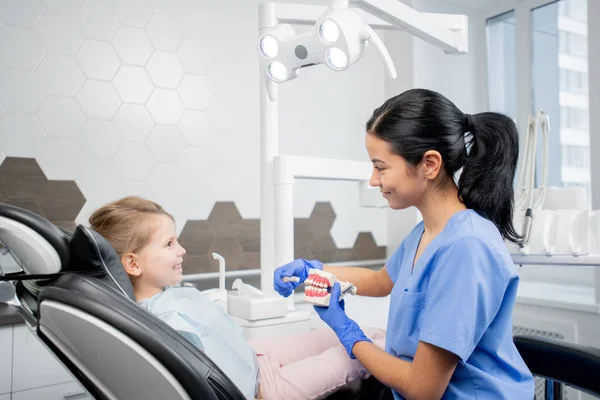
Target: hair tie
column 469, row 122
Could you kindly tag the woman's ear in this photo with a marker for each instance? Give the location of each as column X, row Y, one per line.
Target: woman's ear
column 130, row 264
column 432, row 162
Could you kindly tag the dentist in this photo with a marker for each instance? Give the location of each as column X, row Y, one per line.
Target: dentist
column 452, row 281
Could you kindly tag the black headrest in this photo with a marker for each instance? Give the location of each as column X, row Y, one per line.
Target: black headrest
column 58, row 239
column 92, row 253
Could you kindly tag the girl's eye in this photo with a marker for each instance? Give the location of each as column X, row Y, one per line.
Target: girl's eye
column 170, row 243
column 379, row 169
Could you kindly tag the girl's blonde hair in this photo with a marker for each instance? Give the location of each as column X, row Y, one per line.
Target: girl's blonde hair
column 125, row 223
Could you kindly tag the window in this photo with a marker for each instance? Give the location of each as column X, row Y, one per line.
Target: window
column 560, row 86
column 500, row 32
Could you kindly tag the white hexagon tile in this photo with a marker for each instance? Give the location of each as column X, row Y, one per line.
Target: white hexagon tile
column 164, row 70
column 135, row 13
column 21, row 135
column 133, row 122
column 97, row 19
column 194, row 56
column 61, row 159
column 98, row 99
column 99, row 140
column 98, row 60
column 63, row 6
column 165, row 107
column 165, row 144
column 20, row 48
column 134, row 161
column 60, row 33
column 195, row 128
column 133, row 84
column 20, row 91
column 164, row 32
column 61, row 116
column 60, row 75
column 132, row 46
column 194, row 92
column 22, row 12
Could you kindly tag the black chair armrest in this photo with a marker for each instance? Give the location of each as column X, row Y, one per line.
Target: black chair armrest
column 573, row 364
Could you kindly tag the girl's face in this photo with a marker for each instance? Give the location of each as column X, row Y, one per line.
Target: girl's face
column 159, row 263
column 401, row 184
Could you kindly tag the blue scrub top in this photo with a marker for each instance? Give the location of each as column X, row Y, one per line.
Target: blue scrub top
column 460, row 297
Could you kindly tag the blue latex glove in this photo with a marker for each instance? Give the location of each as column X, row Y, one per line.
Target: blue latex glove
column 335, row 316
column 298, row 268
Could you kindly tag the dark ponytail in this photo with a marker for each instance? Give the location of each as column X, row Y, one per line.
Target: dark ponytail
column 419, row 120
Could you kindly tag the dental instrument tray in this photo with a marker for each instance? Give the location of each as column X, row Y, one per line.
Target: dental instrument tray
column 317, row 289
column 247, row 302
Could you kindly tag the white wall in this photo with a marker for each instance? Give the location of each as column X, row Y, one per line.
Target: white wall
column 194, row 101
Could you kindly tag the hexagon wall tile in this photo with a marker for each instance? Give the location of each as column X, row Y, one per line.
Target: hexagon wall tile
column 61, row 116
column 132, row 46
column 165, row 144
column 188, row 18
column 164, row 32
column 133, row 12
column 20, row 48
column 170, row 7
column 197, row 164
column 194, row 92
column 99, row 140
column 98, row 100
column 27, row 13
column 168, row 184
column 195, row 128
column 97, row 20
column 138, row 170
column 60, row 75
column 21, row 135
column 20, row 91
column 218, row 113
column 134, row 188
column 133, row 122
column 21, row 178
column 165, row 107
column 98, row 60
column 60, row 33
column 63, row 6
column 61, row 159
column 133, row 84
column 194, row 56
column 99, row 180
column 164, row 70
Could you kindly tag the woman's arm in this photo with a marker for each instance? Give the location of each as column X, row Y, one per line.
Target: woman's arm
column 368, row 282
column 425, row 378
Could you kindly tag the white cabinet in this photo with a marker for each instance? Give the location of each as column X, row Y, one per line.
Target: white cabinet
column 6, row 335
column 66, row 391
column 33, row 364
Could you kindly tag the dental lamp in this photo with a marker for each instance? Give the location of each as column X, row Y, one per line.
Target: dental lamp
column 338, row 39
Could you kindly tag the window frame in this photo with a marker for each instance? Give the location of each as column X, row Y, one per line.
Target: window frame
column 524, row 104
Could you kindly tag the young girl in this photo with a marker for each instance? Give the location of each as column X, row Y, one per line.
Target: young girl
column 452, row 281
column 304, row 366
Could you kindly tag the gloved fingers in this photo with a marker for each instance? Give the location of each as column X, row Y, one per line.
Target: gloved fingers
column 283, row 288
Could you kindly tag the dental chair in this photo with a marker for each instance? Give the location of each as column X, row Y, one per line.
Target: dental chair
column 74, row 293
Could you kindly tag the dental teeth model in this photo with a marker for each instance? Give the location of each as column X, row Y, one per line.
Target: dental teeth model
column 318, row 286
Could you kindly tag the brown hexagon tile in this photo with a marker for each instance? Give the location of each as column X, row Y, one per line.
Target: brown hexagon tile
column 197, row 237
column 68, row 226
column 322, row 218
column 324, row 248
column 366, row 248
column 21, row 178
column 344, row 255
column 61, row 201
column 30, row 205
column 230, row 250
column 225, row 219
column 198, row 264
column 250, row 260
column 248, row 235
column 303, row 238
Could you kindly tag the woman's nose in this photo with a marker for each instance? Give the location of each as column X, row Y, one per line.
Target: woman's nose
column 374, row 181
